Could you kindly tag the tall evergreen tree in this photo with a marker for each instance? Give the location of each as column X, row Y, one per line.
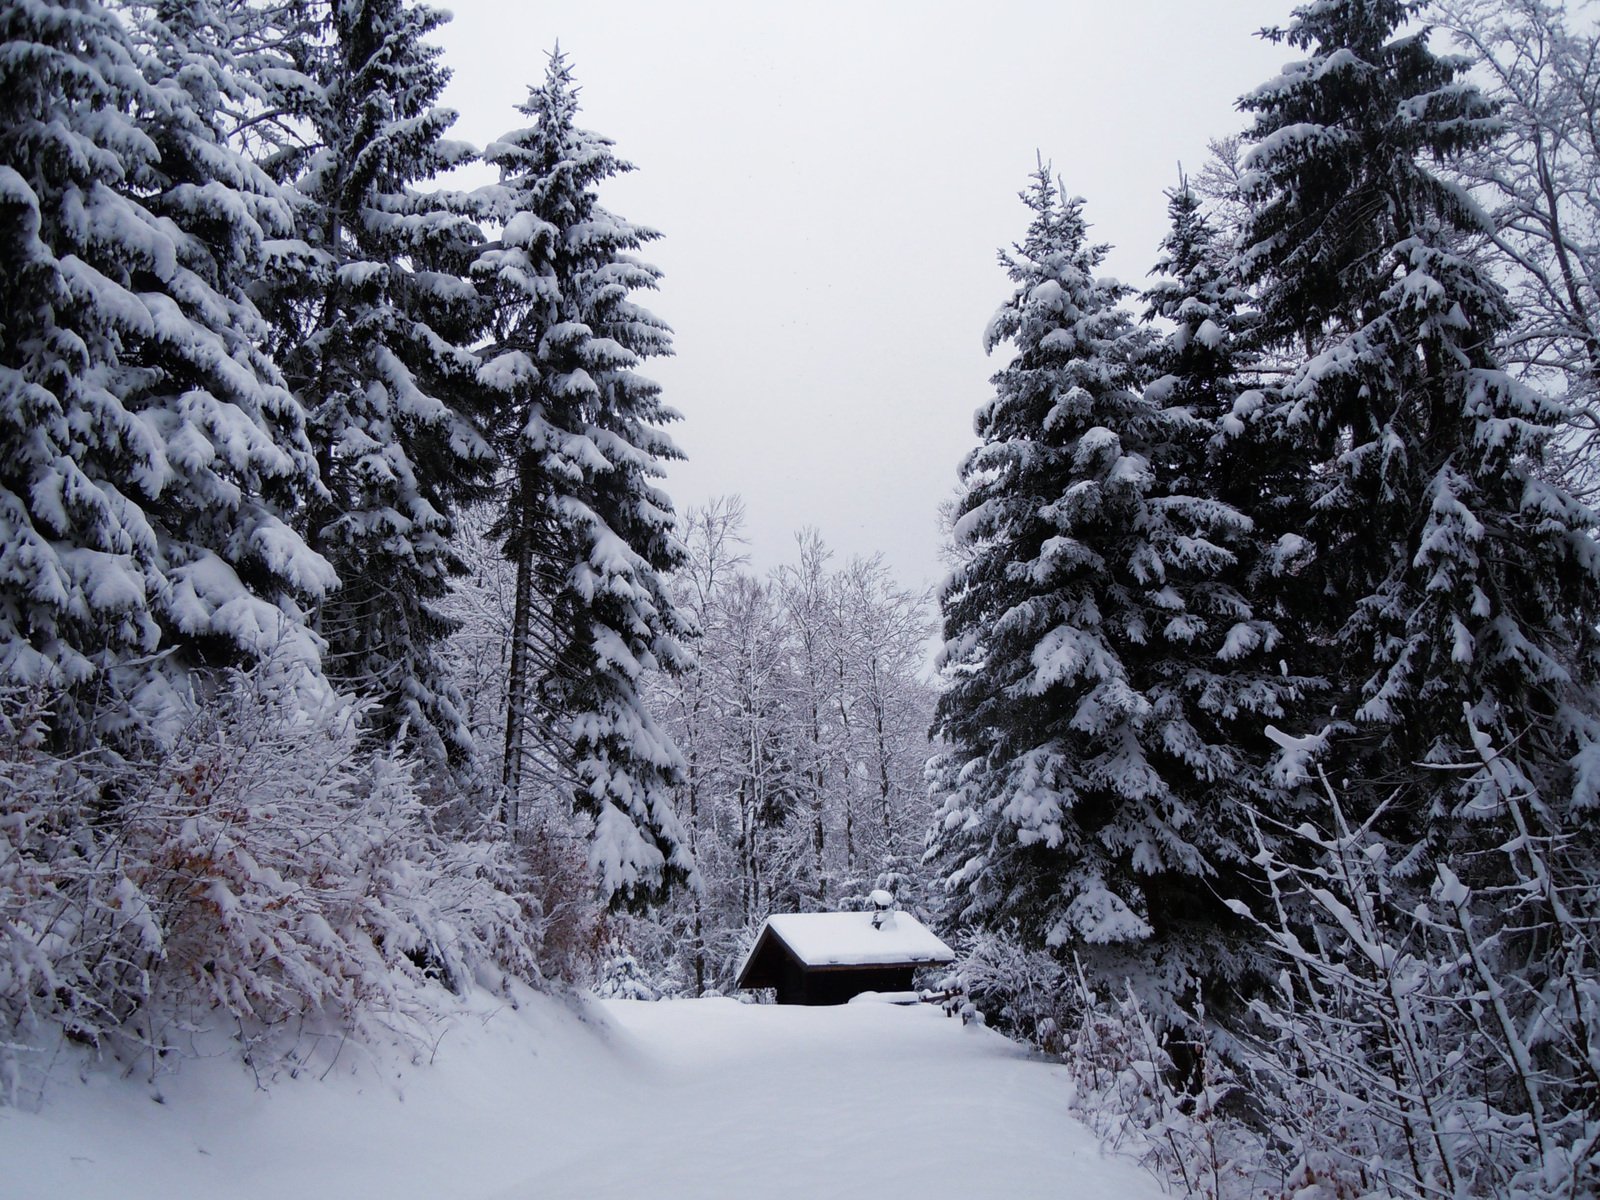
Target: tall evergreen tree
column 591, row 534
column 1447, row 571
column 1220, row 445
column 1088, row 638
column 1233, row 674
column 148, row 450
column 375, row 323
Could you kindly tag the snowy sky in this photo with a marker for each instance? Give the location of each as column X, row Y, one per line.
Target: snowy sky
column 833, row 180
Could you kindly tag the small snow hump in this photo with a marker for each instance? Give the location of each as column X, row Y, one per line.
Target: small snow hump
column 883, row 906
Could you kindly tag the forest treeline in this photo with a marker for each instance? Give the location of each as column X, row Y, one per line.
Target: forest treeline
column 352, row 651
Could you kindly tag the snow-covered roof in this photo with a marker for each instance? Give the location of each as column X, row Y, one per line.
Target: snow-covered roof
column 849, row 939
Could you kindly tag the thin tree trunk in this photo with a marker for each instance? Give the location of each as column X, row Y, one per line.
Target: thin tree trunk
column 847, row 777
column 517, row 681
column 818, row 796
column 697, row 924
column 885, row 788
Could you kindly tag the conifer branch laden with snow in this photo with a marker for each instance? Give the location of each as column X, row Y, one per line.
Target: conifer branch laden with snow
column 150, row 455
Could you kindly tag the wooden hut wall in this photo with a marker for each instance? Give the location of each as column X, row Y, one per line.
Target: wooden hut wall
column 791, row 981
column 836, row 986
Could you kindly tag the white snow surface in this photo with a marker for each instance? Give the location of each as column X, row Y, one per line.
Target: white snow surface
column 850, row 939
column 678, row 1100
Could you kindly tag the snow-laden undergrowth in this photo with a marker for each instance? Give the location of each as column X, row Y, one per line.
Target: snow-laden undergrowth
column 267, row 876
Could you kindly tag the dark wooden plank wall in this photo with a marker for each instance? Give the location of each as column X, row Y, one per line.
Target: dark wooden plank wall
column 836, row 985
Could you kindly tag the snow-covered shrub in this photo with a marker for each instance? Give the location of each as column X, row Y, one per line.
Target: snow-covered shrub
column 555, row 880
column 622, row 978
column 58, row 969
column 265, row 874
column 1023, row 993
column 1166, row 1096
column 1441, row 1040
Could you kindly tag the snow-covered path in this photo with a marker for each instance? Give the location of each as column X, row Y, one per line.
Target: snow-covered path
column 865, row 1100
column 683, row 1100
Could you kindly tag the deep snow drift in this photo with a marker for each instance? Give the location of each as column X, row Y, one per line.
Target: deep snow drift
column 682, row 1099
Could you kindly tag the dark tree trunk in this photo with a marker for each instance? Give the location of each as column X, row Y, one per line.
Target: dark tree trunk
column 520, row 538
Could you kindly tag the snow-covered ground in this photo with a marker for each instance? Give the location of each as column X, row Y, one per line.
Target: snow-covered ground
column 683, row 1099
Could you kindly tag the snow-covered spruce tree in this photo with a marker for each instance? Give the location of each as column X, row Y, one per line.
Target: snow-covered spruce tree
column 1089, row 793
column 1445, row 569
column 590, row 532
column 148, row 449
column 1198, row 365
column 374, row 327
column 1227, row 666
column 1218, row 445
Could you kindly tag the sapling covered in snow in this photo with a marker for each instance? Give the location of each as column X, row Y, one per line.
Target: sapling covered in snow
column 585, row 522
column 622, row 978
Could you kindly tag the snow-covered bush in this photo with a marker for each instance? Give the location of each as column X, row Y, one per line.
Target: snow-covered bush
column 622, row 978
column 1024, row 993
column 1441, row 1040
column 1168, row 1097
column 552, row 851
column 266, row 874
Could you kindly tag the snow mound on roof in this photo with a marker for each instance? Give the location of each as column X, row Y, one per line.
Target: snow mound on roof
column 850, row 939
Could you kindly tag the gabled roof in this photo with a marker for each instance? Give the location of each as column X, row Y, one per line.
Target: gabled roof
column 823, row 941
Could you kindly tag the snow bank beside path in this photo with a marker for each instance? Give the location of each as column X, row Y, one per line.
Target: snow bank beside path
column 682, row 1100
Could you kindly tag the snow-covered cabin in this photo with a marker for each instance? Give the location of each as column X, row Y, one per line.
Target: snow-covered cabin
column 826, row 958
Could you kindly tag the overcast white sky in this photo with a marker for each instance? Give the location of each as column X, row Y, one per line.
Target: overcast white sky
column 833, row 180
